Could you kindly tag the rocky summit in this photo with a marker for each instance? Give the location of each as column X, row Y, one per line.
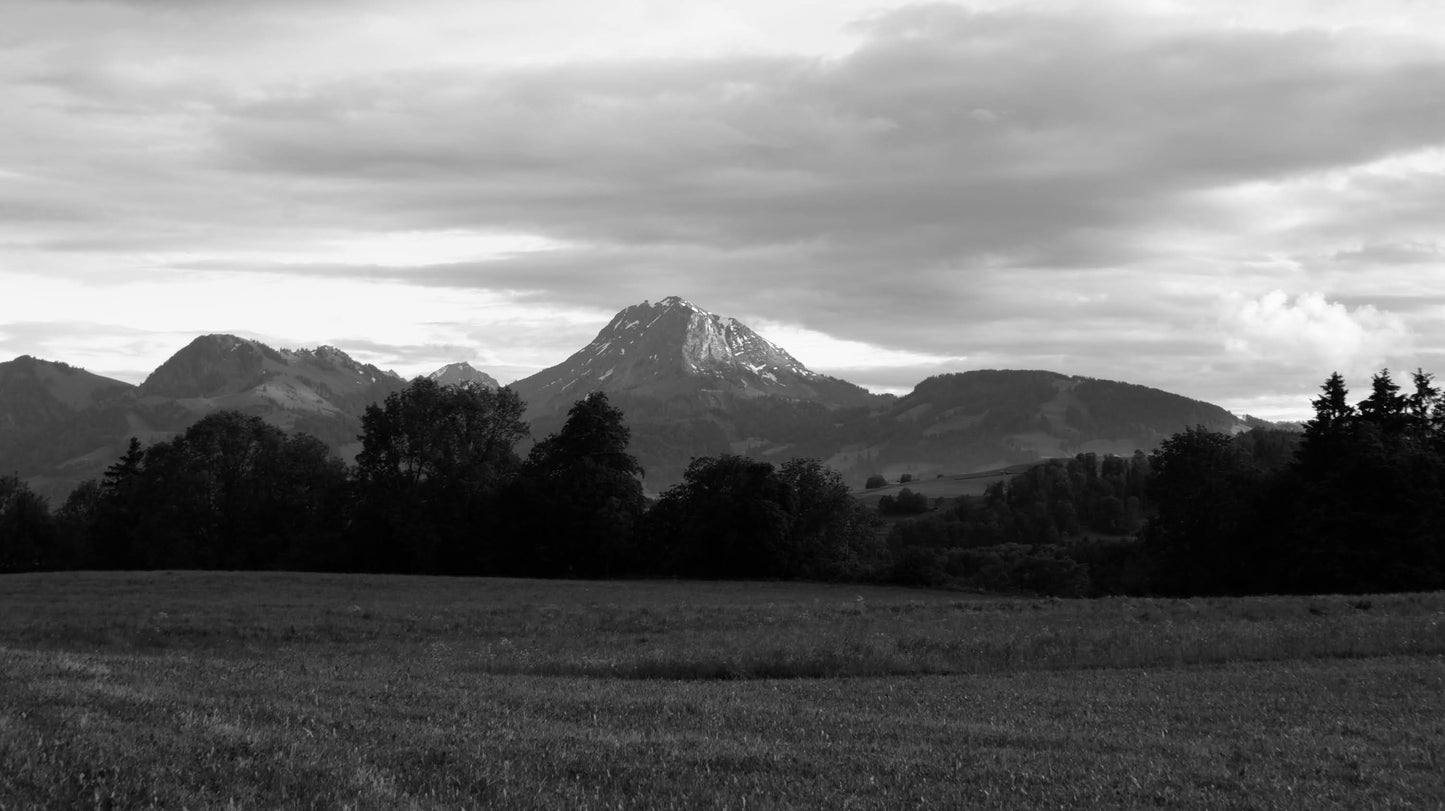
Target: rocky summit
column 673, row 346
column 461, row 374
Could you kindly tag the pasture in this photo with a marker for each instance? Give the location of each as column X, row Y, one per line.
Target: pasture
column 946, row 487
column 186, row 689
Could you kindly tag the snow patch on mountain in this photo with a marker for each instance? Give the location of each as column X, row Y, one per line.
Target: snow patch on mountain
column 674, row 345
column 462, row 373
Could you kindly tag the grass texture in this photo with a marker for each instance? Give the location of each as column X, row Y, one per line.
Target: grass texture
column 247, row 690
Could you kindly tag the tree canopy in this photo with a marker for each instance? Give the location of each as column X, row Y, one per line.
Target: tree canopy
column 578, row 497
column 432, row 463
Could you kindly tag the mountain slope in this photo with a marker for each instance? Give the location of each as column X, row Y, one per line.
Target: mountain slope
column 52, row 412
column 38, row 399
column 674, row 347
column 223, row 371
column 981, row 420
column 321, row 392
column 34, row 391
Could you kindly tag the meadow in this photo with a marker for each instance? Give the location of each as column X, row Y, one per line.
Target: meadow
column 253, row 690
column 946, row 487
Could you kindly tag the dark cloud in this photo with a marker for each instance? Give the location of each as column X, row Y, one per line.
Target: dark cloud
column 951, row 145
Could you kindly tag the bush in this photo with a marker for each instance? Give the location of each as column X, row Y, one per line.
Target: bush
column 1019, row 568
column 906, row 502
column 917, row 567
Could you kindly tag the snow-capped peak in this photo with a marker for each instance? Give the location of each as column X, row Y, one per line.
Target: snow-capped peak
column 462, row 373
column 672, row 345
column 674, row 337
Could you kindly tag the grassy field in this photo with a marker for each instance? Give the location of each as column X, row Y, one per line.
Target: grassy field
column 946, row 487
column 299, row 691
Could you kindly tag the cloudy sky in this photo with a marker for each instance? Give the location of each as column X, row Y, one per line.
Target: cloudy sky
column 1210, row 198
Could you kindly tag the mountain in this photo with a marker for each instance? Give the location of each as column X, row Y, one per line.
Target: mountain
column 689, row 382
column 692, row 383
column 248, row 373
column 36, row 392
column 458, row 374
column 674, row 347
column 52, row 413
column 696, row 384
column 988, row 419
column 38, row 399
column 322, row 392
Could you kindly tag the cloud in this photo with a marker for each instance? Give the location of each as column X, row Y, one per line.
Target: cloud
column 1065, row 185
column 1394, row 253
column 873, row 170
column 1312, row 329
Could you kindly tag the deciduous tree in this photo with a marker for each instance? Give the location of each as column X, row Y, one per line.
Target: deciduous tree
column 433, row 459
column 578, row 497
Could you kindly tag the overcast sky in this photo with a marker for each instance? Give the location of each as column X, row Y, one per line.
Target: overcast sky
column 1228, row 204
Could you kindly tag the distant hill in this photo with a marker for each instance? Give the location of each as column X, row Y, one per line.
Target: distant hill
column 41, row 403
column 988, row 419
column 38, row 395
column 1288, row 425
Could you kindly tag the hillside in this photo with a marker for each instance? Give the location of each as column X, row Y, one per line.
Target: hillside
column 60, row 426
column 982, row 420
column 52, row 411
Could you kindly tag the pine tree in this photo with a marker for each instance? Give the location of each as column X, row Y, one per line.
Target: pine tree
column 1425, row 405
column 1385, row 406
column 1333, row 418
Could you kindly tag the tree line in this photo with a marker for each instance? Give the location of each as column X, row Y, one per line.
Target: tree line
column 1359, row 506
column 1354, row 504
column 440, row 488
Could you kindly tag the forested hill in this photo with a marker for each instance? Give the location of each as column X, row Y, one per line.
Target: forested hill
column 981, row 420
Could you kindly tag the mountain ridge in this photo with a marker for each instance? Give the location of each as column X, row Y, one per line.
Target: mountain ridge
column 964, row 422
column 320, row 391
column 691, row 383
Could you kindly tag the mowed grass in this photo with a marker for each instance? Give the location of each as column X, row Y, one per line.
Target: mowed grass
column 296, row 691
